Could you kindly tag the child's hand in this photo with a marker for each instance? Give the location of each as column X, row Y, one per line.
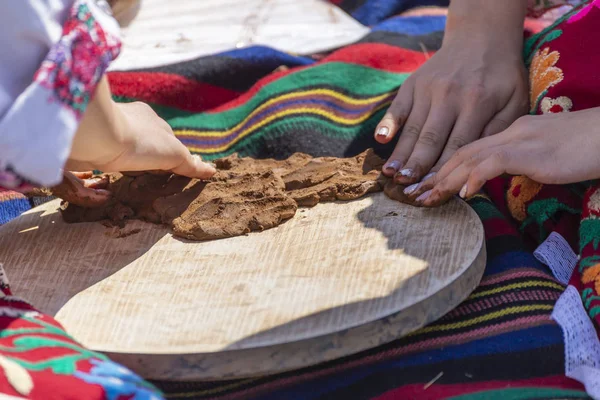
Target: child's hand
column 81, row 189
column 142, row 142
column 127, row 137
column 115, row 137
column 553, row 149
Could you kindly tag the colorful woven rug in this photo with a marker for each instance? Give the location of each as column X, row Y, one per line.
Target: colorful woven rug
column 501, row 343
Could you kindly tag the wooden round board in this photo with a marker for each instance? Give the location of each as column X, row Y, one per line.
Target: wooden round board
column 336, row 279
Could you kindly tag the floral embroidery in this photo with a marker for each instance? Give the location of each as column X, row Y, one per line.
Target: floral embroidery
column 555, row 106
column 592, row 275
column 17, row 376
column 543, row 74
column 522, row 189
column 75, row 64
column 594, row 204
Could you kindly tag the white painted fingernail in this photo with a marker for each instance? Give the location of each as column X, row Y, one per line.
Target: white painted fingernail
column 463, row 191
column 392, row 165
column 383, row 132
column 429, row 175
column 408, row 172
column 423, row 197
column 411, row 189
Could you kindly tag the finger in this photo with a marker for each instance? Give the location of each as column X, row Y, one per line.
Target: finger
column 430, row 144
column 82, row 175
column 408, row 137
column 470, row 177
column 416, row 189
column 468, row 128
column 396, row 114
column 500, row 162
column 513, row 110
column 470, row 153
column 72, row 190
column 91, row 198
column 192, row 166
column 99, row 182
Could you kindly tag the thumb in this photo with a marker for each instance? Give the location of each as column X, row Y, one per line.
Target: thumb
column 192, row 166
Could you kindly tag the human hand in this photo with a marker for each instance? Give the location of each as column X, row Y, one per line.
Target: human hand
column 464, row 92
column 552, row 149
column 82, row 189
column 139, row 141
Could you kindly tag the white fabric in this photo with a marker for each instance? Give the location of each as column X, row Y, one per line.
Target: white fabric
column 28, row 28
column 582, row 348
column 35, row 134
column 556, row 253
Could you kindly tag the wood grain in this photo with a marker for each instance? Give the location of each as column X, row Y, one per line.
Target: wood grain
column 336, row 279
column 165, row 32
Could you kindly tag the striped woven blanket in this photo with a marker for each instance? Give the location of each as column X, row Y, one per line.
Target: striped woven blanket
column 501, row 343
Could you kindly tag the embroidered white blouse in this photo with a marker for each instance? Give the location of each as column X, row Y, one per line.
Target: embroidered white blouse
column 53, row 53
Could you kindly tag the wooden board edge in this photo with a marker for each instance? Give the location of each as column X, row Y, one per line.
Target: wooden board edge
column 235, row 364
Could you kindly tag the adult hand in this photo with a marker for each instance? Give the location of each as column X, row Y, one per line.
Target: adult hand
column 552, row 148
column 474, row 86
column 459, row 95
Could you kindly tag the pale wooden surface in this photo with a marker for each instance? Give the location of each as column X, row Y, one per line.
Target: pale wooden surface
column 315, row 288
column 165, row 32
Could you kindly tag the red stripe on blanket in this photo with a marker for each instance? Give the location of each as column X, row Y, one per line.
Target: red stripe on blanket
column 376, row 56
column 434, row 392
column 178, row 92
column 380, row 56
column 169, row 90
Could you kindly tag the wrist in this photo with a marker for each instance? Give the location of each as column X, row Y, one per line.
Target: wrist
column 486, row 24
column 102, row 134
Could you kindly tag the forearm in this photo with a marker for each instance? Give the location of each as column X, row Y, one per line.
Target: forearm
column 487, row 22
column 100, row 133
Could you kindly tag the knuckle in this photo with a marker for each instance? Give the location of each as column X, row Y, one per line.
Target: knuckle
column 474, row 160
column 476, row 92
column 500, row 156
column 524, row 122
column 461, row 153
column 457, row 142
column 446, row 85
column 429, row 138
column 411, row 131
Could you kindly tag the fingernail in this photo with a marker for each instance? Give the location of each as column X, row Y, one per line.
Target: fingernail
column 463, row 191
column 199, row 160
column 102, row 192
column 393, row 165
column 408, row 172
column 429, row 175
column 423, row 197
column 411, row 189
column 383, row 132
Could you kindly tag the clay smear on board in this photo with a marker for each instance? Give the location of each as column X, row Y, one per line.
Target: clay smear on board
column 245, row 194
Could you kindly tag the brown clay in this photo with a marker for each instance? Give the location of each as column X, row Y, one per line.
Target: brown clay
column 244, row 195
